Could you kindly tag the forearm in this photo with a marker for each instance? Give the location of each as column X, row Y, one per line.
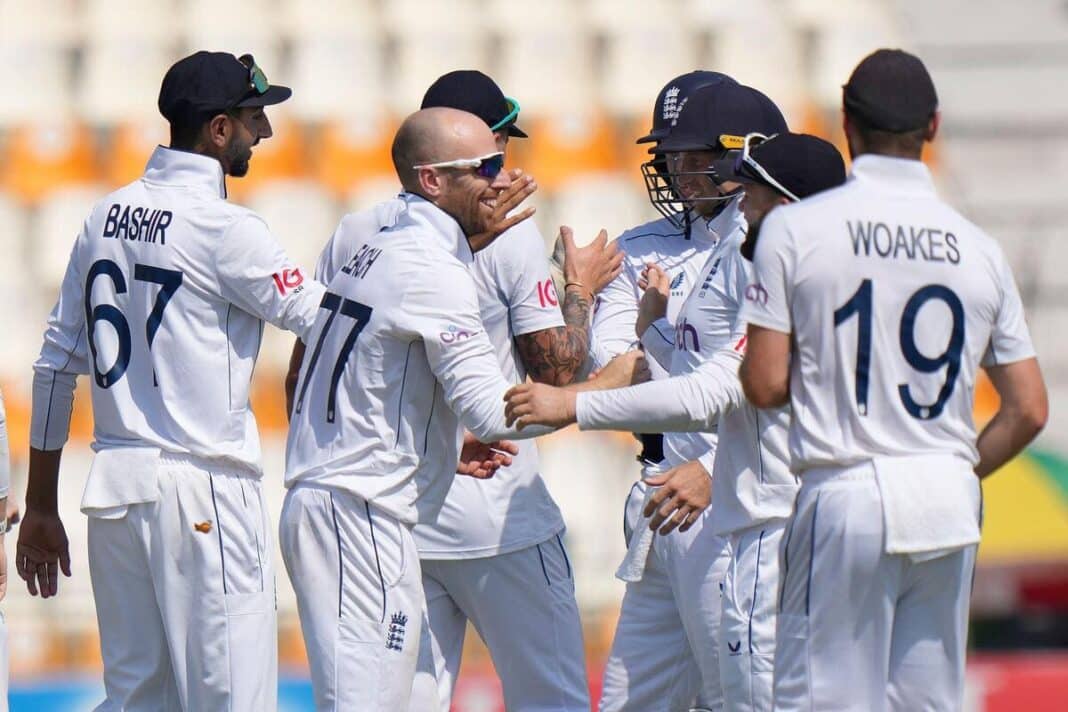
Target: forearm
column 1005, row 436
column 657, row 341
column 556, row 356
column 43, row 482
column 681, row 404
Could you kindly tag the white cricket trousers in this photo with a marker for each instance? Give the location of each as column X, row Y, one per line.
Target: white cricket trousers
column 185, row 599
column 747, row 625
column 356, row 574
column 860, row 630
column 666, row 646
column 523, row 606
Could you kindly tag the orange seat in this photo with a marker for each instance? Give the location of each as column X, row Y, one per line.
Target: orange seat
column 560, row 147
column 348, row 152
column 43, row 157
column 129, row 151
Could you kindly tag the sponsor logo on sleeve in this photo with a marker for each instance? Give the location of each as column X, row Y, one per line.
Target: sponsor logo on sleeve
column 454, row 335
column 757, row 294
column 547, row 294
column 740, row 346
column 288, row 280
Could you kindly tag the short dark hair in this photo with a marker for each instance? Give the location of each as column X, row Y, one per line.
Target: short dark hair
column 905, row 144
column 185, row 131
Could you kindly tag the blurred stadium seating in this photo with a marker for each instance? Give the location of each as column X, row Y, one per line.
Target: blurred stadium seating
column 78, row 86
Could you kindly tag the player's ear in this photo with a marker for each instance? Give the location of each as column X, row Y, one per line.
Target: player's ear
column 932, row 126
column 219, row 130
column 431, row 182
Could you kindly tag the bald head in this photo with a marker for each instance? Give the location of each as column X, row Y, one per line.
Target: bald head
column 436, row 135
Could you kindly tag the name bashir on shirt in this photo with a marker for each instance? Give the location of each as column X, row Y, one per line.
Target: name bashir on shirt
column 903, row 242
column 361, row 261
column 137, row 223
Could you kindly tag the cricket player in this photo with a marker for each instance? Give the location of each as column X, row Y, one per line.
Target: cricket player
column 672, row 598
column 754, row 488
column 872, row 308
column 495, row 554
column 673, row 243
column 398, row 365
column 163, row 303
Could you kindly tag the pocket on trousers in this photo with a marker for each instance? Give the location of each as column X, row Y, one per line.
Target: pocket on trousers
column 358, row 663
column 252, row 631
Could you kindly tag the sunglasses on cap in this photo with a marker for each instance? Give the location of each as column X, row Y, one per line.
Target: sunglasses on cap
column 746, row 159
column 510, row 117
column 487, row 166
column 257, row 80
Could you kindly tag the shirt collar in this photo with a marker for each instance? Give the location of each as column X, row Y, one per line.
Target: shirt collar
column 900, row 174
column 441, row 227
column 724, row 223
column 170, row 166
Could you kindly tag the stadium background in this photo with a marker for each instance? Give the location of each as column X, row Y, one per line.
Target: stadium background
column 78, row 86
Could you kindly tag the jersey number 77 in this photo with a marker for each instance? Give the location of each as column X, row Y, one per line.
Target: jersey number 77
column 361, row 314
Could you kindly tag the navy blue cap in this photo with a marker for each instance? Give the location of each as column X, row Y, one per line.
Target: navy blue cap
column 207, row 82
column 801, row 163
column 718, row 117
column 474, row 92
column 673, row 97
column 890, row 90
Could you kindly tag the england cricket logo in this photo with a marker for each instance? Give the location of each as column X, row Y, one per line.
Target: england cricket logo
column 395, row 634
column 671, row 104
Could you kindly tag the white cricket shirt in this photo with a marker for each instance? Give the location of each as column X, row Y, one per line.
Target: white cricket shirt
column 751, row 466
column 397, row 365
column 893, row 300
column 163, row 304
column 512, row 510
column 705, row 322
column 616, row 308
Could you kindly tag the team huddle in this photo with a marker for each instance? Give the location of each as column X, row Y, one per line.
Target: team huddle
column 796, row 350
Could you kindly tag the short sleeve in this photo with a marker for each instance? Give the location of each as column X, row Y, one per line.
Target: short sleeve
column 1010, row 339
column 5, row 453
column 256, row 275
column 522, row 270
column 767, row 296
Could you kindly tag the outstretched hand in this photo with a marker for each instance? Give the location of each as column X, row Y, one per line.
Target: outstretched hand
column 521, row 188
column 482, row 460
column 539, row 404
column 685, row 491
column 626, row 369
column 592, row 266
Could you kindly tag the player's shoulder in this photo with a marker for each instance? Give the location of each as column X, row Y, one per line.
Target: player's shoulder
column 822, row 205
column 361, row 224
column 515, row 245
column 649, row 237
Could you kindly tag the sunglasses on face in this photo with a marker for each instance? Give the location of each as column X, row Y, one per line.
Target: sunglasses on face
column 257, row 80
column 487, row 166
column 745, row 159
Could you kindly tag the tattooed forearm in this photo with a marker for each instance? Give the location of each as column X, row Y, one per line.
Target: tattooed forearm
column 555, row 356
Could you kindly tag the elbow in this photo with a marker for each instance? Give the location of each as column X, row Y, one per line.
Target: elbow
column 1034, row 418
column 763, row 392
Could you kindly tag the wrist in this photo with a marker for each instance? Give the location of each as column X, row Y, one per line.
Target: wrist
column 578, row 287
